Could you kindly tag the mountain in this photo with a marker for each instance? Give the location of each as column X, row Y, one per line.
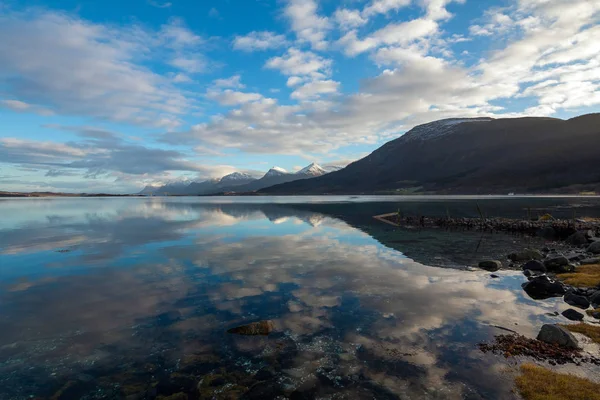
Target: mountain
column 236, row 178
column 474, row 156
column 312, row 170
column 236, row 182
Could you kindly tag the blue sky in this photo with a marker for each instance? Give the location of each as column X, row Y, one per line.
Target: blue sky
column 113, row 95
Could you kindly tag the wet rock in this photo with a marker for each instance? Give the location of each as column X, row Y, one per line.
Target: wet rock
column 572, row 315
column 554, row 264
column 595, row 299
column 557, row 335
column 594, row 248
column 578, row 239
column 576, row 300
column 490, row 265
column 526, row 255
column 586, row 261
column 264, row 374
column 542, row 287
column 254, row 329
column 494, row 276
column 534, row 266
column 263, row 390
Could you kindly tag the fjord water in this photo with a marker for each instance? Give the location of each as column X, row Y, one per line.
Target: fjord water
column 118, row 297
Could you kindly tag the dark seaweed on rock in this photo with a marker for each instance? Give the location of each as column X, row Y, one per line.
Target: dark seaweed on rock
column 254, row 329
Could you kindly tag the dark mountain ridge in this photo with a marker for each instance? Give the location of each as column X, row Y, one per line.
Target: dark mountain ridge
column 474, row 156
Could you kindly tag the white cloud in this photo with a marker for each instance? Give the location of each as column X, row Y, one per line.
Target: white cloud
column 230, row 97
column 384, row 6
column 259, row 41
column 159, row 4
column 70, row 66
column 307, row 24
column 294, row 81
column 314, row 89
column 234, row 81
column 348, row 19
column 15, row 105
column 297, row 62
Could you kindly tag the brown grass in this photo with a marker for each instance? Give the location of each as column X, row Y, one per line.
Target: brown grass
column 584, row 276
column 537, row 383
column 591, row 331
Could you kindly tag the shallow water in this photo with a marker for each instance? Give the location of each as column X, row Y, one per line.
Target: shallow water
column 132, row 298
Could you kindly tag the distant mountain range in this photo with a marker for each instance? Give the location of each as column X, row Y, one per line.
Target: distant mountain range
column 473, row 156
column 237, row 182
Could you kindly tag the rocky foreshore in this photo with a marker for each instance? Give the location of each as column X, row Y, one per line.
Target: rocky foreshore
column 545, row 226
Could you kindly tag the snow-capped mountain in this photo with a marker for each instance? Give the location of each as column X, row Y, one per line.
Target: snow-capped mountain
column 237, row 182
column 236, row 178
column 313, row 169
column 276, row 171
column 439, row 128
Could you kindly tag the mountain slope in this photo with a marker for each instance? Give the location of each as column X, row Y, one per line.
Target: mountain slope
column 524, row 155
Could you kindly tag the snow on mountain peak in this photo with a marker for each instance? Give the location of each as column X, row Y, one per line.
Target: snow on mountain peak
column 276, row 171
column 236, row 176
column 313, row 169
column 439, row 128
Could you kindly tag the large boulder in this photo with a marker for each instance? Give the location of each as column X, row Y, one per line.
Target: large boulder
column 526, row 255
column 555, row 263
column 555, row 334
column 594, row 248
column 534, row 266
column 578, row 239
column 490, row 265
column 572, row 315
column 576, row 300
column 542, row 287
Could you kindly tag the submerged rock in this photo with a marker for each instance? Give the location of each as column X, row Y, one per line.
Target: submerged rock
column 541, row 287
column 490, row 265
column 526, row 255
column 555, row 334
column 572, row 315
column 254, row 329
column 576, row 300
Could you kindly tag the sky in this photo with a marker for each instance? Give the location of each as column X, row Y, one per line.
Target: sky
column 111, row 96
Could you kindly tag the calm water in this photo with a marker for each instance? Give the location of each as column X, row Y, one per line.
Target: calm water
column 132, row 297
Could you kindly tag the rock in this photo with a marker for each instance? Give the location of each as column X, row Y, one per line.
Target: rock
column 576, row 300
column 263, row 390
column 526, row 255
column 534, row 266
column 253, row 329
column 572, row 315
column 578, row 239
column 541, row 287
column 554, row 264
column 490, row 265
column 557, row 335
column 547, row 232
column 494, row 276
column 586, row 261
column 595, row 299
column 594, row 248
column 264, row 374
